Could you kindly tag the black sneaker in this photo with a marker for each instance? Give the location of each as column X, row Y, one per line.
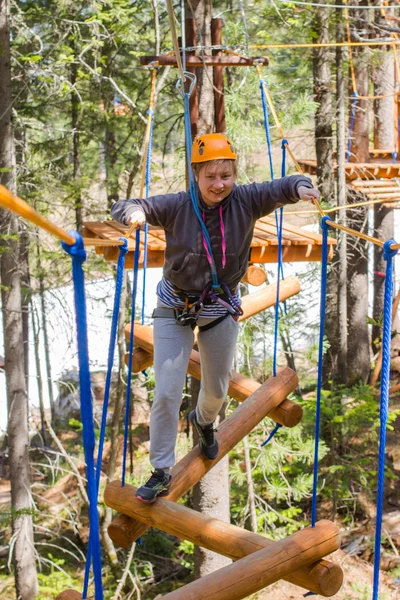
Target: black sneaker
column 158, row 485
column 207, row 442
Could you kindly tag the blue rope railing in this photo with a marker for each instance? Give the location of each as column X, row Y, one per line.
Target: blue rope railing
column 324, row 272
column 78, row 255
column 388, row 255
column 110, row 362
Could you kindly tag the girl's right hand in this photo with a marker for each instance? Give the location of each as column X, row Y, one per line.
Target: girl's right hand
column 136, row 219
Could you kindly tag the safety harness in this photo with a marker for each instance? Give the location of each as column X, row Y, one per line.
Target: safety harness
column 188, row 316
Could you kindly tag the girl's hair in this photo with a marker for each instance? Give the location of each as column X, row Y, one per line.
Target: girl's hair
column 196, row 167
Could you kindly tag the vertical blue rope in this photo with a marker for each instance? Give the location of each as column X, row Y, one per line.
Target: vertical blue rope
column 324, row 271
column 131, row 339
column 78, row 254
column 266, row 126
column 278, row 219
column 352, row 121
column 150, row 112
column 111, row 350
column 388, row 255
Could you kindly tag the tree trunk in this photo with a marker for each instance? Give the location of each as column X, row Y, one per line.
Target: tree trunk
column 202, row 15
column 384, row 138
column 323, row 114
column 39, row 378
column 341, row 375
column 250, row 485
column 325, row 171
column 75, row 146
column 361, row 57
column 358, row 350
column 211, row 497
column 17, row 401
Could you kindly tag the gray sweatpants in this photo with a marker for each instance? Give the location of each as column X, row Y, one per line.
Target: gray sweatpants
column 172, row 347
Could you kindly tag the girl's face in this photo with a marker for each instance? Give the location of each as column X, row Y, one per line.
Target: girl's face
column 215, row 182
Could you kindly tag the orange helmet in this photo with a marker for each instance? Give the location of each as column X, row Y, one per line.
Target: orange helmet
column 212, row 146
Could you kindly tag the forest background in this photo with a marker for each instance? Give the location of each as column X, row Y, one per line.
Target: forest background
column 72, row 126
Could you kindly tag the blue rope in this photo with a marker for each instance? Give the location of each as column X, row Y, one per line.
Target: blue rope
column 324, row 271
column 131, row 339
column 278, row 220
column 388, row 255
column 193, row 192
column 266, row 126
column 150, row 112
column 352, row 121
column 271, row 435
column 111, row 351
column 78, row 254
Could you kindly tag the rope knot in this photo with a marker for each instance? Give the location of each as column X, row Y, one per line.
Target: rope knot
column 150, row 112
column 324, row 223
column 124, row 247
column 262, row 83
column 355, row 94
column 388, row 253
column 284, row 144
column 76, row 250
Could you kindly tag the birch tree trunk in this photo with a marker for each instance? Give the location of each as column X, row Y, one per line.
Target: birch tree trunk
column 17, row 400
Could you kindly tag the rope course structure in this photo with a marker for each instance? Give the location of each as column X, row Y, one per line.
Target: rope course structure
column 258, row 561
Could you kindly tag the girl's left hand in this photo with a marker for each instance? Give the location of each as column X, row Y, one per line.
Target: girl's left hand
column 308, row 194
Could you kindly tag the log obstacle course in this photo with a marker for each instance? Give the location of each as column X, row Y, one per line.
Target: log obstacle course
column 259, row 561
column 322, row 578
column 298, row 561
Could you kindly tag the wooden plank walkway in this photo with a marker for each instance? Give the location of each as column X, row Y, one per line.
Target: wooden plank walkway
column 298, row 244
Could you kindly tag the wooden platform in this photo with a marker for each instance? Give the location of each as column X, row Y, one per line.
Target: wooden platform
column 298, row 244
column 375, row 169
column 379, row 189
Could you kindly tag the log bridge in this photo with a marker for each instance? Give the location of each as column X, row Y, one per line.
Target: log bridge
column 258, row 561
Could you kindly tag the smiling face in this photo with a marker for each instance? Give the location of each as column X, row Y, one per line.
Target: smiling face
column 215, row 180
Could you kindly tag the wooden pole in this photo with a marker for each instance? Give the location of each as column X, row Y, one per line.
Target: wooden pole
column 254, row 303
column 218, row 78
column 264, row 567
column 190, row 28
column 288, row 413
column 324, row 579
column 124, row 531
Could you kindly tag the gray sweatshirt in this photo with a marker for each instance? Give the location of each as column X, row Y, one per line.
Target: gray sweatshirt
column 186, row 265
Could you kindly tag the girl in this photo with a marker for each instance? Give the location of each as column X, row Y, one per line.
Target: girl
column 207, row 254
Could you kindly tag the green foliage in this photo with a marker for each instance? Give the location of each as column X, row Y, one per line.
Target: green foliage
column 75, row 425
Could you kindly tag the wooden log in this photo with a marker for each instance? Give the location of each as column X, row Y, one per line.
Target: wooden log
column 288, row 413
column 255, row 275
column 264, row 567
column 254, row 303
column 217, row 535
column 187, row 472
column 141, row 360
